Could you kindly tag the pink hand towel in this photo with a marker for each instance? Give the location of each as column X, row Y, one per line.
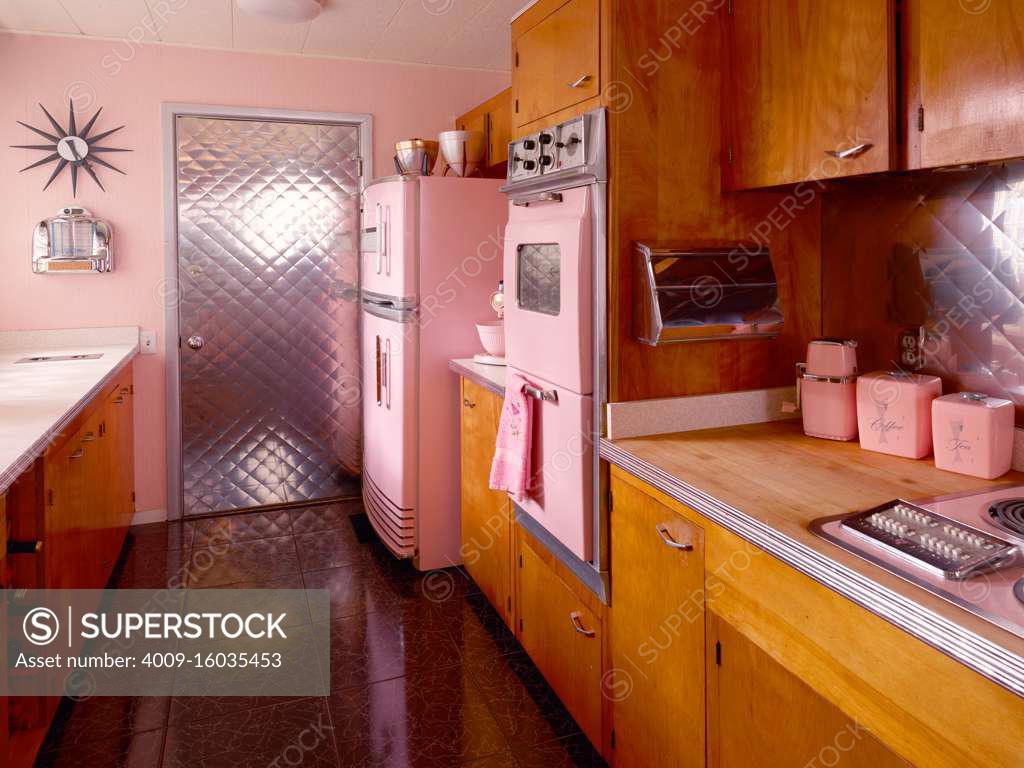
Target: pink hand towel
column 510, row 470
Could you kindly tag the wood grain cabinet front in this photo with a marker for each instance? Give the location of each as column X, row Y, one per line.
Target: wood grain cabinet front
column 656, row 680
column 760, row 714
column 492, row 118
column 486, row 524
column 965, row 81
column 562, row 631
column 808, row 90
column 556, row 58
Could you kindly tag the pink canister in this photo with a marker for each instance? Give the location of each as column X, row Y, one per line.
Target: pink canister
column 894, row 412
column 827, row 389
column 973, row 434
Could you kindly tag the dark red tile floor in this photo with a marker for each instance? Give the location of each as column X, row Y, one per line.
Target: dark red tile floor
column 423, row 671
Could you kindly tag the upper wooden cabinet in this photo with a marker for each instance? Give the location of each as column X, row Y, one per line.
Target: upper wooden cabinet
column 556, row 58
column 965, row 73
column 493, row 118
column 761, row 715
column 486, row 517
column 657, row 633
column 808, row 90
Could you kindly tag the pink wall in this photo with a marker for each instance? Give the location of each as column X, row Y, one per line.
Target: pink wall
column 130, row 82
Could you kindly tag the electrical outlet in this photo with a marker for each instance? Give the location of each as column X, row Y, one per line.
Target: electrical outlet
column 147, row 342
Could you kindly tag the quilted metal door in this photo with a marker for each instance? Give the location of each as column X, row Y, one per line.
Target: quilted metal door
column 267, row 220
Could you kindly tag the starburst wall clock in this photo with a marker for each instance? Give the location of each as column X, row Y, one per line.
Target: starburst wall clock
column 72, row 148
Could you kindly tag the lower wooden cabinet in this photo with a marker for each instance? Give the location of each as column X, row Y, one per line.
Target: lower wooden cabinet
column 561, row 628
column 656, row 679
column 760, row 714
column 486, row 518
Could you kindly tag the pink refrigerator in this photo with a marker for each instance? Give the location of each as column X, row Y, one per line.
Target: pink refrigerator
column 431, row 255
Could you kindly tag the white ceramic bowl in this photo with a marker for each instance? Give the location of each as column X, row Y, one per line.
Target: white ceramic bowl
column 464, row 151
column 492, row 336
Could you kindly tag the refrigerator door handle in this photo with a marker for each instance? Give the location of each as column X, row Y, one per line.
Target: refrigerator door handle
column 387, row 374
column 380, row 236
column 378, row 373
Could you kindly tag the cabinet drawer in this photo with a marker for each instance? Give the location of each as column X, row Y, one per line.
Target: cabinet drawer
column 557, row 61
column 563, row 637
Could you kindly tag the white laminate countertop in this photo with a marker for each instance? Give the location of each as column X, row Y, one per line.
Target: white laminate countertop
column 38, row 399
column 490, row 377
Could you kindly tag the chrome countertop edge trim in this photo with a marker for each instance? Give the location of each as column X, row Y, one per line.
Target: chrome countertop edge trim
column 984, row 656
column 476, row 378
column 24, row 462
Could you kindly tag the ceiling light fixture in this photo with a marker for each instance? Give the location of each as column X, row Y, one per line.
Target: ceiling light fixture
column 282, row 11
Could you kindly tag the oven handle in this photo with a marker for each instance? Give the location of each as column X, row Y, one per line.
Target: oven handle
column 547, row 395
column 538, row 199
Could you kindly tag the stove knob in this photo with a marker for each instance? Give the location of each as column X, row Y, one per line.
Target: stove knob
column 546, row 138
column 545, row 160
column 529, row 165
column 529, row 144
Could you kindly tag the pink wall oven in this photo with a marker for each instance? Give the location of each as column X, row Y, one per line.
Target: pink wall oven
column 555, row 298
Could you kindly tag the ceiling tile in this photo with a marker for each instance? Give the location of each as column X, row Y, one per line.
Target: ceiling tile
column 350, row 27
column 197, row 23
column 113, row 18
column 36, row 16
column 255, row 34
column 484, row 41
column 422, row 27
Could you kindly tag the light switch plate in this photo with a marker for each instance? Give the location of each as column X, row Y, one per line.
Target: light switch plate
column 147, row 342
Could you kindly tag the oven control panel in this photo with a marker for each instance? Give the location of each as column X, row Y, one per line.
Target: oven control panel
column 927, row 539
column 568, row 146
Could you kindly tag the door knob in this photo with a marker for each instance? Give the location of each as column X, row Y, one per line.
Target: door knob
column 196, row 342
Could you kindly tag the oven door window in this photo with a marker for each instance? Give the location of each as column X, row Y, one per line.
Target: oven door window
column 539, row 277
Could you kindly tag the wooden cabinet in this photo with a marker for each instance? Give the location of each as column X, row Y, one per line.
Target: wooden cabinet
column 561, row 629
column 486, row 523
column 759, row 714
column 656, row 633
column 493, row 118
column 808, row 90
column 556, row 58
column 966, row 76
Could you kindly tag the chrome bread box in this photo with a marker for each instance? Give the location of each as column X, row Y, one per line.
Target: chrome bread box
column 700, row 294
column 73, row 242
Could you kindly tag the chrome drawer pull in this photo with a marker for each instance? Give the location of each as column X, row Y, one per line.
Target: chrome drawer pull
column 669, row 541
column 579, row 81
column 577, row 624
column 547, row 395
column 540, row 197
column 88, row 437
column 846, row 154
column 77, row 454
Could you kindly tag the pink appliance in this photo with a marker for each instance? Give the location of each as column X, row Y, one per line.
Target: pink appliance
column 553, row 254
column 430, row 258
column 894, row 412
column 827, row 389
column 973, row 434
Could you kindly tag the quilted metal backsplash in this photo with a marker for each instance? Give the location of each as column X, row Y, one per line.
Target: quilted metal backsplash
column 946, row 251
column 540, row 278
column 267, row 224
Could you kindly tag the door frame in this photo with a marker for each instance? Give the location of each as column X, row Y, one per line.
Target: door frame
column 168, row 290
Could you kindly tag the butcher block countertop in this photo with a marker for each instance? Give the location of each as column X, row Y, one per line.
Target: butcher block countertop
column 39, row 399
column 767, row 482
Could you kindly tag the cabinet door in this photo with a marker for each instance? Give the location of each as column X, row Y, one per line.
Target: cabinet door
column 657, row 633
column 808, row 80
column 759, row 714
column 971, row 74
column 486, row 526
column 70, row 540
column 563, row 637
column 556, row 61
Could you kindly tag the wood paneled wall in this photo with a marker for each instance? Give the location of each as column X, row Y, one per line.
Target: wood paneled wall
column 663, row 93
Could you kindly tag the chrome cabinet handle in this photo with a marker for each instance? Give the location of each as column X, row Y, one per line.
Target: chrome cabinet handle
column 196, row 342
column 387, row 374
column 77, row 454
column 379, row 399
column 846, row 154
column 88, row 437
column 669, row 541
column 380, row 237
column 538, row 199
column 579, row 81
column 546, row 395
column 118, row 400
column 577, row 624
column 467, row 403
